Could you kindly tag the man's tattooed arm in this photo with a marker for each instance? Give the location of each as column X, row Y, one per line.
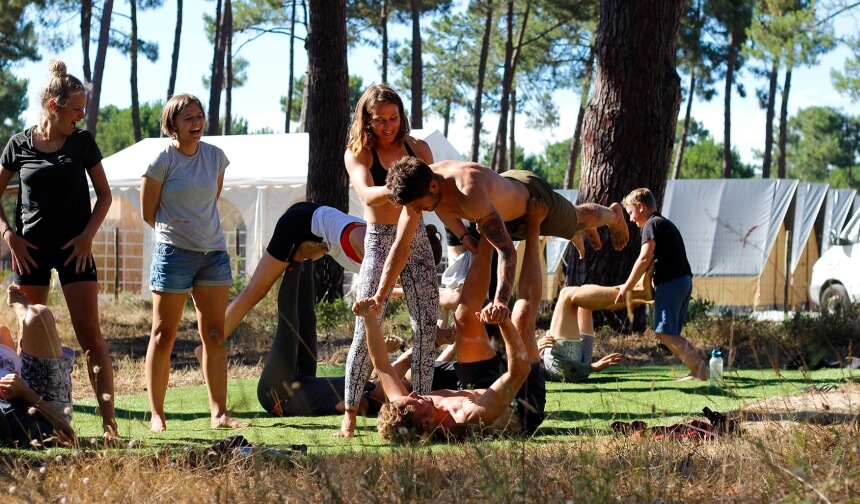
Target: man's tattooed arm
column 494, row 229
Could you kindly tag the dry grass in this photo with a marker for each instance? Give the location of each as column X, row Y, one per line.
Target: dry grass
column 769, row 461
column 789, row 463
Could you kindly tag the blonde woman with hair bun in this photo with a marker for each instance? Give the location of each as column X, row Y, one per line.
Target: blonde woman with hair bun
column 54, row 224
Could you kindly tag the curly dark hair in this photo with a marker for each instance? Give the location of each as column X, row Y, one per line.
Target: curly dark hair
column 408, row 179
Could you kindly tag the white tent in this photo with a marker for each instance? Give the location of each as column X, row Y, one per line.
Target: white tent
column 837, row 208
column 267, row 174
column 805, row 247
column 730, row 228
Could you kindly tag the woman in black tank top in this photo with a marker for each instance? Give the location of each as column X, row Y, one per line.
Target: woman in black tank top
column 379, row 136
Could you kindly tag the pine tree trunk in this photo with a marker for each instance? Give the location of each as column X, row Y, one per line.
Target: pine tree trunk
column 447, row 119
column 630, row 120
column 682, row 142
column 327, row 120
column 289, row 106
column 86, row 26
column 767, row 157
column 228, row 98
column 99, row 70
column 174, row 60
column 417, row 119
column 135, row 101
column 783, row 123
column 383, row 28
column 576, row 141
column 217, row 80
column 498, row 162
column 303, row 111
column 512, row 159
column 512, row 52
column 479, row 84
column 731, row 62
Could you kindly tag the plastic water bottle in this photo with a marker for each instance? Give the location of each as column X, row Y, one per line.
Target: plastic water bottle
column 715, row 365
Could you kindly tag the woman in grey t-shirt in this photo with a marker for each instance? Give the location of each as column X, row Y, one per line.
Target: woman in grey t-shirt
column 178, row 197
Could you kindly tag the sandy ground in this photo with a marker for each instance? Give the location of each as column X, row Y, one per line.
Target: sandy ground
column 818, row 405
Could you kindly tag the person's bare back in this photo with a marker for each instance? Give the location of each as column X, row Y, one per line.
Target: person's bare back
column 471, row 191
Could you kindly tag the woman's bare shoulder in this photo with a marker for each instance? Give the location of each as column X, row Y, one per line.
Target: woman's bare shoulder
column 355, row 160
column 420, row 148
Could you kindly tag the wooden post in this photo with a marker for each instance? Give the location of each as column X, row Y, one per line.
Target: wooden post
column 116, row 264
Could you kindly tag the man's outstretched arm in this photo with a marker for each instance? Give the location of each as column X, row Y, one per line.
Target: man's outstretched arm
column 494, row 229
column 497, row 399
column 391, row 383
column 407, row 226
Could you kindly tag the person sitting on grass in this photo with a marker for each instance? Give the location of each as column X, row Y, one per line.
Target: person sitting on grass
column 566, row 349
column 36, row 383
column 455, row 413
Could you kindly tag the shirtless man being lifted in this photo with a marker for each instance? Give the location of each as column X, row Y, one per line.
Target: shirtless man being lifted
column 458, row 190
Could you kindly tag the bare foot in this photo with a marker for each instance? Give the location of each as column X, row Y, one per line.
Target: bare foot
column 14, row 296
column 392, row 343
column 111, row 438
column 618, row 229
column 227, row 422
column 110, row 428
column 158, row 424
column 648, row 284
column 612, row 359
column 347, row 427
column 445, row 335
column 578, row 241
column 590, row 235
column 547, row 341
column 692, row 377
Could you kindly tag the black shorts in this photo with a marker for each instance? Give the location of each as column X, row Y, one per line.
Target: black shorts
column 531, row 401
column 53, row 258
column 481, row 374
column 445, row 376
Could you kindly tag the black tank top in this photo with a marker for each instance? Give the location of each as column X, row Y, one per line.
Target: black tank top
column 377, row 171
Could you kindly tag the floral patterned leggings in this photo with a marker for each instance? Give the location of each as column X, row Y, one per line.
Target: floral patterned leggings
column 421, row 290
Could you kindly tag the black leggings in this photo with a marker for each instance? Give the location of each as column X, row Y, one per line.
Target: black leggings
column 294, row 350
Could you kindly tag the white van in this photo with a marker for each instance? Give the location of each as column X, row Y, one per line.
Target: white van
column 835, row 282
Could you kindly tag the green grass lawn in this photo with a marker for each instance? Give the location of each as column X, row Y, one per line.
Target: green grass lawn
column 649, row 393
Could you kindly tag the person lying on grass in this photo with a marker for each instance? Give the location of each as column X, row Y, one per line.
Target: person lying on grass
column 566, row 349
column 450, row 413
column 36, row 383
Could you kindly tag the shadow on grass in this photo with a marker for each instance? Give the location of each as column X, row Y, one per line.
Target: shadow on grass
column 143, row 415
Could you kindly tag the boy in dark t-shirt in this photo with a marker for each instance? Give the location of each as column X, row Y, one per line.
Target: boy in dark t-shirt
column 663, row 246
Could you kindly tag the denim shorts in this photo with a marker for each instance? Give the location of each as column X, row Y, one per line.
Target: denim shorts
column 671, row 300
column 175, row 270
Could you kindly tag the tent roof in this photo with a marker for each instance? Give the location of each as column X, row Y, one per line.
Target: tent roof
column 258, row 160
column 729, row 225
column 810, row 199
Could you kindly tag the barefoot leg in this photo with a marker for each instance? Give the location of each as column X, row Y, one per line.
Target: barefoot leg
column 590, row 215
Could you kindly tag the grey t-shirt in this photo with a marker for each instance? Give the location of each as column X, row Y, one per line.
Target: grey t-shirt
column 187, row 215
